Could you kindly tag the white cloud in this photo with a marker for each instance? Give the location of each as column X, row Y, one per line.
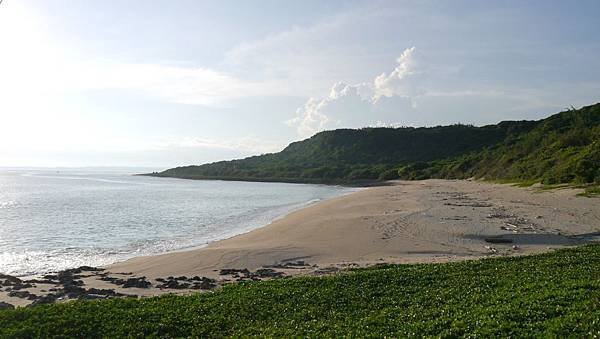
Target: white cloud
column 303, row 59
column 200, row 86
column 382, row 100
column 403, row 80
column 173, row 84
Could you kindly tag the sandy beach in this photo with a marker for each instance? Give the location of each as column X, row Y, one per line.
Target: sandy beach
column 406, row 222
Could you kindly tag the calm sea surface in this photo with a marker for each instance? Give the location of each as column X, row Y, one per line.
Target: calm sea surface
column 52, row 220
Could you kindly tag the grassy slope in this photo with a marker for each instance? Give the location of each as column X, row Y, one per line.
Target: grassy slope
column 556, row 293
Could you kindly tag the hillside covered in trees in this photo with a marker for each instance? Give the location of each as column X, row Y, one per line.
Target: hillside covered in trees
column 563, row 148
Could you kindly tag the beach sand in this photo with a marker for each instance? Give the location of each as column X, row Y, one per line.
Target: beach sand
column 406, row 222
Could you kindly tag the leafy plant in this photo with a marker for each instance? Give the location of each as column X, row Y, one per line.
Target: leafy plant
column 549, row 295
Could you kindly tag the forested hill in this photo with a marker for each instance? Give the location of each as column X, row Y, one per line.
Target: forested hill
column 564, row 148
column 520, row 149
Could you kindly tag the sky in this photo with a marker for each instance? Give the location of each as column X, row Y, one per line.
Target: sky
column 170, row 83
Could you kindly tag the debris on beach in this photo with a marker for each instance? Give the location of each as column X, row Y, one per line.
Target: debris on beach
column 492, row 250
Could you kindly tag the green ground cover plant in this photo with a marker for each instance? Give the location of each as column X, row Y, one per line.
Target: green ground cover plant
column 553, row 294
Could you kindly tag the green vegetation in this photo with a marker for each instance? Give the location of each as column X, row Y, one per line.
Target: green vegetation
column 553, row 294
column 564, row 148
column 354, row 156
column 591, row 191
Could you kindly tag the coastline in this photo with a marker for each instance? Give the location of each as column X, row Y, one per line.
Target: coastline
column 364, row 183
column 359, row 229
column 407, row 222
column 240, row 232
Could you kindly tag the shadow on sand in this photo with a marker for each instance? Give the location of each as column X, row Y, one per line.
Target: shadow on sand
column 540, row 239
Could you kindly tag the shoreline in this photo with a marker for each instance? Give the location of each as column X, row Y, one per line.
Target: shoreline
column 407, row 222
column 298, row 207
column 364, row 183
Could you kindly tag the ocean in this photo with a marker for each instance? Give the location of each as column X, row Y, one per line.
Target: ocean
column 52, row 220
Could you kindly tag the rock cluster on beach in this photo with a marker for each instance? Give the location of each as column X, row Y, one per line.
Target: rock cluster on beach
column 70, row 284
column 67, row 285
column 183, row 282
column 244, row 274
column 140, row 282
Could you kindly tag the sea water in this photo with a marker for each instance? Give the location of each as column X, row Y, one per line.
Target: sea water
column 57, row 219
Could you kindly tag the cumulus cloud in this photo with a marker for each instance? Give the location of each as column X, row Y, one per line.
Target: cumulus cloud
column 403, row 80
column 380, row 101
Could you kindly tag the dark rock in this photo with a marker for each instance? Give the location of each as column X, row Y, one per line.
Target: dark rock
column 73, row 290
column 42, row 281
column 268, row 273
column 22, row 295
column 21, row 286
column 9, row 280
column 206, row 284
column 6, row 306
column 183, row 277
column 174, row 284
column 46, row 299
column 137, row 282
column 171, row 284
column 231, row 271
column 89, row 269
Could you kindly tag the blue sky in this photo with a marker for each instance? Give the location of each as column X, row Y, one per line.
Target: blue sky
column 166, row 83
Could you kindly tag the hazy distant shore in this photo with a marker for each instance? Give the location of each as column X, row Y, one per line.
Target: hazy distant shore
column 420, row 221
